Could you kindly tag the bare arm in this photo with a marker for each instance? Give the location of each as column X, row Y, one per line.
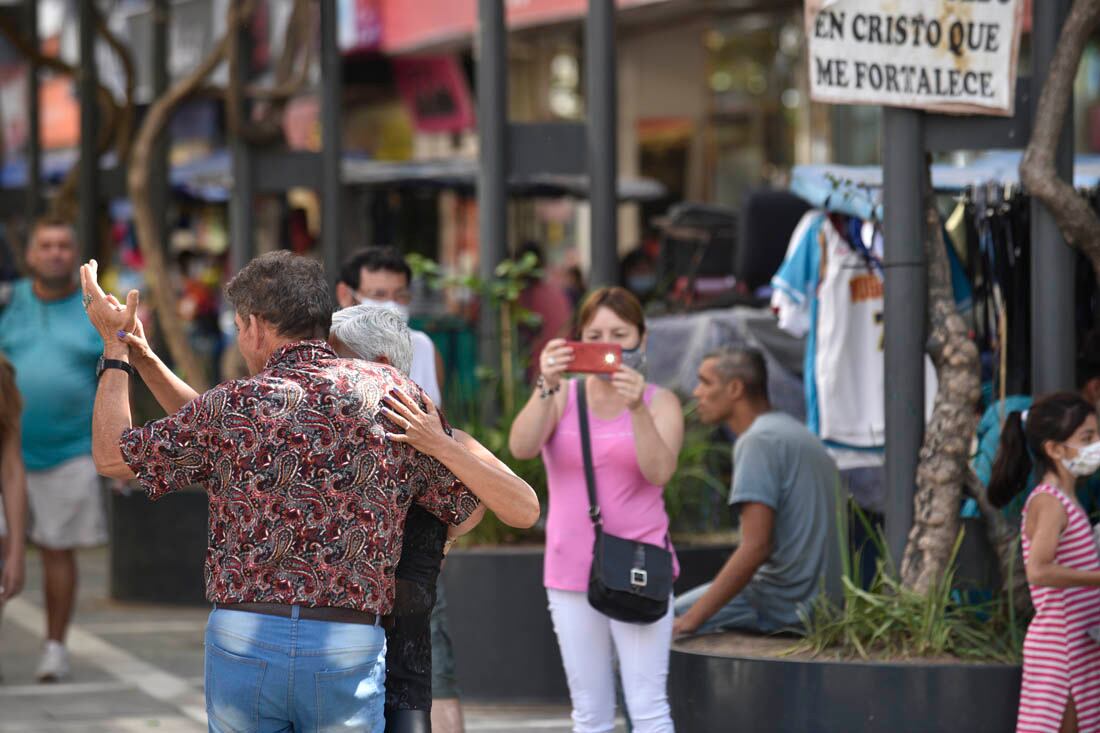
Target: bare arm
column 111, row 417
column 757, row 522
column 111, row 414
column 508, row 496
column 537, row 420
column 13, row 487
column 1046, row 519
column 170, row 391
column 658, row 436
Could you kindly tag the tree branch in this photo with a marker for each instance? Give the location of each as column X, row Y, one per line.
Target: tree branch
column 1078, row 222
column 148, row 235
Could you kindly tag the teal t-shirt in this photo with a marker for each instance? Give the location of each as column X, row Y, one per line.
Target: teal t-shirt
column 781, row 464
column 54, row 350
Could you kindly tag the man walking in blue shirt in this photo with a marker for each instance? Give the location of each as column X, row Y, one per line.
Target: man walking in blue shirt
column 46, row 336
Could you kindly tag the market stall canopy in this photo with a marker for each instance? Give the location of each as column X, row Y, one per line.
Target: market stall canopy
column 210, row 177
column 857, row 190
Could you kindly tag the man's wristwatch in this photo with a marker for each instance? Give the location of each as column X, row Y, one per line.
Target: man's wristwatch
column 105, row 364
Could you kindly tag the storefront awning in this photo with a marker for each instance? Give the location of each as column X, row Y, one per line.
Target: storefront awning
column 461, row 174
column 416, row 26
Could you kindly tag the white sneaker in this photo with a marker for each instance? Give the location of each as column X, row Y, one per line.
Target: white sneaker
column 54, row 666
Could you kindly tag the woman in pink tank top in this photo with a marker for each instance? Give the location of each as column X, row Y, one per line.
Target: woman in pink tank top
column 1061, row 685
column 636, row 431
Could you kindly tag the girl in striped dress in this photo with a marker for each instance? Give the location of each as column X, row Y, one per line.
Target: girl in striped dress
column 1058, row 439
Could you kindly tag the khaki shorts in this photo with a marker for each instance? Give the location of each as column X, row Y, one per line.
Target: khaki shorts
column 66, row 506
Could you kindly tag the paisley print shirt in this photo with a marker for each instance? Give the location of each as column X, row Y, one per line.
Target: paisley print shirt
column 307, row 496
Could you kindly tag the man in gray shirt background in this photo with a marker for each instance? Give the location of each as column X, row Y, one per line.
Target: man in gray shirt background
column 784, row 485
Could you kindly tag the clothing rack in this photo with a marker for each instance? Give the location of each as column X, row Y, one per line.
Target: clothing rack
column 857, row 190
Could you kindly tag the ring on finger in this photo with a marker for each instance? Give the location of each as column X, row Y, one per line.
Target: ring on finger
column 551, row 360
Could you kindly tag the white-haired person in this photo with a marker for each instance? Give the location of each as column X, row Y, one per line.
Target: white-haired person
column 378, row 334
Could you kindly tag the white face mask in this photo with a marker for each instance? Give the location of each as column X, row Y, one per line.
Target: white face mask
column 398, row 308
column 1086, row 462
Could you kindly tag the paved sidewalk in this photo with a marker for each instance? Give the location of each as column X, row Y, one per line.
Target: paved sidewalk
column 138, row 667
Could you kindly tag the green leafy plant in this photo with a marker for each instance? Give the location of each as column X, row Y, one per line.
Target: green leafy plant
column 695, row 496
column 501, row 293
column 888, row 620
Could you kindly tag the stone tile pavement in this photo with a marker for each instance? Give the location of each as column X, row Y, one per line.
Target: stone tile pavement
column 138, row 667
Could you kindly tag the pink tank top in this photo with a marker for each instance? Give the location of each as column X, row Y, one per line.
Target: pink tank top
column 632, row 507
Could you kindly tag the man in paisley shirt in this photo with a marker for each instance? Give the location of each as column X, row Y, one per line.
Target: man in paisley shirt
column 308, row 497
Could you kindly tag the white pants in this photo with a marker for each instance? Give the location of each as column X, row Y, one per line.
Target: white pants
column 586, row 638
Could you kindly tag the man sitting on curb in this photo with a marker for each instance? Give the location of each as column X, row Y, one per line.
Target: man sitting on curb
column 784, row 485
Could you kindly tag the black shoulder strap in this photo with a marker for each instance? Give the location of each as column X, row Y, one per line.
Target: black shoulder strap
column 586, row 451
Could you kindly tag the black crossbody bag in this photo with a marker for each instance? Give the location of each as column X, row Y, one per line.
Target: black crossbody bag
column 630, row 581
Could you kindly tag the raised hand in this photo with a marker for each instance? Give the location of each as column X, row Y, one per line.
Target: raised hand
column 139, row 345
column 554, row 361
column 630, row 385
column 106, row 314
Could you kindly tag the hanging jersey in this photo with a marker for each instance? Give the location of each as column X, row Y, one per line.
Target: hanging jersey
column 848, row 359
column 833, row 294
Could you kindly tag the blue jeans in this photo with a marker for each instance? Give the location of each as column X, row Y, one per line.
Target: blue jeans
column 739, row 613
column 266, row 674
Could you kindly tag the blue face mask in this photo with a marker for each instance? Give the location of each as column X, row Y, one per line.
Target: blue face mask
column 635, row 359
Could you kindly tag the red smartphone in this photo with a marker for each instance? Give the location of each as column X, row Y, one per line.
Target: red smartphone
column 591, row 357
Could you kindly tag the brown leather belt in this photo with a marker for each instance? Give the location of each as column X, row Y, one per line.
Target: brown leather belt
column 311, row 613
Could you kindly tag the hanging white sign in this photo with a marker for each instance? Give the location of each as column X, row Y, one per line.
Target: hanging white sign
column 955, row 56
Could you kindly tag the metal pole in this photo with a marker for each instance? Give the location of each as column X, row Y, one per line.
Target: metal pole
column 906, row 315
column 159, row 180
column 331, row 154
column 1053, row 262
column 492, row 192
column 242, row 216
column 602, row 100
column 34, row 134
column 87, row 225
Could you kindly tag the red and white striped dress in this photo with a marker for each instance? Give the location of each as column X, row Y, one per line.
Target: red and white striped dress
column 1059, row 656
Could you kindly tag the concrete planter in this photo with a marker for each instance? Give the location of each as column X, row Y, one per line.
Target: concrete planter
column 712, row 691
column 505, row 647
column 158, row 548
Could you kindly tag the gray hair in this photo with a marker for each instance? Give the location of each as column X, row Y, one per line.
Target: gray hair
column 745, row 365
column 373, row 331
